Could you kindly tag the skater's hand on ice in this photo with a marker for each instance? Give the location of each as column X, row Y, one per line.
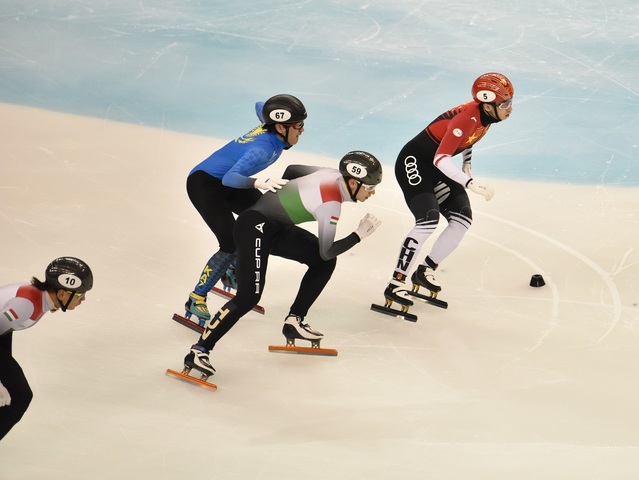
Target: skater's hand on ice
column 5, row 398
column 367, row 225
column 466, row 168
column 481, row 189
column 270, row 184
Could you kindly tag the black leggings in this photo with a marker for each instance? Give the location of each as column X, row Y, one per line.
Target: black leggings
column 217, row 203
column 13, row 379
column 257, row 238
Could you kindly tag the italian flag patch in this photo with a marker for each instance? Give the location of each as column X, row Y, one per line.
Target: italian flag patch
column 11, row 315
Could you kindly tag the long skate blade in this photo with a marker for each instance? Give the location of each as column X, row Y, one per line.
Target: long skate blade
column 394, row 313
column 429, row 299
column 331, row 352
column 228, row 295
column 188, row 323
column 189, row 378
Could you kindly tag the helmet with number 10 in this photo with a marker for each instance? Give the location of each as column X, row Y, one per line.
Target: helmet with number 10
column 70, row 274
column 492, row 88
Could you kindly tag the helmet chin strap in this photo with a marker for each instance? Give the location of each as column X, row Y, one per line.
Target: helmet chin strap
column 354, row 194
column 288, row 145
column 64, row 306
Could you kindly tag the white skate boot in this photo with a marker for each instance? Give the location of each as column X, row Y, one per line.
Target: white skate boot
column 294, row 328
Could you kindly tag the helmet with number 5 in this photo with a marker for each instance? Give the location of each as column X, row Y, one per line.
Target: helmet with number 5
column 492, row 88
column 284, row 109
column 362, row 166
column 69, row 273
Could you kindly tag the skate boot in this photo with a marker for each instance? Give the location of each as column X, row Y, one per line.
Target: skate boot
column 198, row 358
column 424, row 276
column 397, row 291
column 196, row 305
column 294, row 327
column 228, row 279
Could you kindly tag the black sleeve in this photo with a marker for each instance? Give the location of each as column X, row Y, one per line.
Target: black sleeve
column 295, row 171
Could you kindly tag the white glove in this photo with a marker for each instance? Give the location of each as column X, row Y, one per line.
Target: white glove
column 481, row 189
column 270, row 184
column 466, row 168
column 367, row 225
column 5, row 398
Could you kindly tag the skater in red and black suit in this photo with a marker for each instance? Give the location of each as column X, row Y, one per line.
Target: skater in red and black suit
column 67, row 279
column 432, row 184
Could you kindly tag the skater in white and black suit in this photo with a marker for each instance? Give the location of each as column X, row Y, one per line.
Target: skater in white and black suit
column 271, row 227
column 67, row 279
column 433, row 184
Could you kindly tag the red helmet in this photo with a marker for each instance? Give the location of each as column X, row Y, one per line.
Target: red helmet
column 492, row 88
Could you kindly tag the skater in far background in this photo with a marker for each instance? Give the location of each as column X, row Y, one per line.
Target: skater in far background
column 271, row 227
column 433, row 184
column 222, row 186
column 67, row 279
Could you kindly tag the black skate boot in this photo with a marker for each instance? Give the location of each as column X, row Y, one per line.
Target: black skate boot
column 294, row 328
column 424, row 276
column 397, row 291
column 198, row 358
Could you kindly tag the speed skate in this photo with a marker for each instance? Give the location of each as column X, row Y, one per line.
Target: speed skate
column 393, row 312
column 431, row 298
column 314, row 349
column 185, row 375
column 296, row 329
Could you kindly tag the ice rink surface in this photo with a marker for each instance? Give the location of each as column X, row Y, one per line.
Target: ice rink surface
column 106, row 106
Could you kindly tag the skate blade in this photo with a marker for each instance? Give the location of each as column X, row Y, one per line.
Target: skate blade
column 188, row 323
column 185, row 376
column 430, row 299
column 331, row 352
column 394, row 313
column 228, row 295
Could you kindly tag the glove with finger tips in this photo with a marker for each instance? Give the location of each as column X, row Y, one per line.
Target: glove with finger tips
column 270, row 184
column 481, row 189
column 367, row 225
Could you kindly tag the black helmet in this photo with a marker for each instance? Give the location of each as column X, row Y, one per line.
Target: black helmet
column 69, row 273
column 283, row 109
column 362, row 166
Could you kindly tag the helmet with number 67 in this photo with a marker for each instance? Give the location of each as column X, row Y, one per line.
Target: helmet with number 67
column 362, row 166
column 284, row 109
column 69, row 273
column 492, row 87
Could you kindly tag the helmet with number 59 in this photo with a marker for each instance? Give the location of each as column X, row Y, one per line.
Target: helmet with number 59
column 362, row 166
column 492, row 87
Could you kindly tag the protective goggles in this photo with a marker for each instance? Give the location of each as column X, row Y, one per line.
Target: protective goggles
column 506, row 104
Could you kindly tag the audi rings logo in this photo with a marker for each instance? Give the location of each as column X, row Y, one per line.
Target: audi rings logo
column 410, row 165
